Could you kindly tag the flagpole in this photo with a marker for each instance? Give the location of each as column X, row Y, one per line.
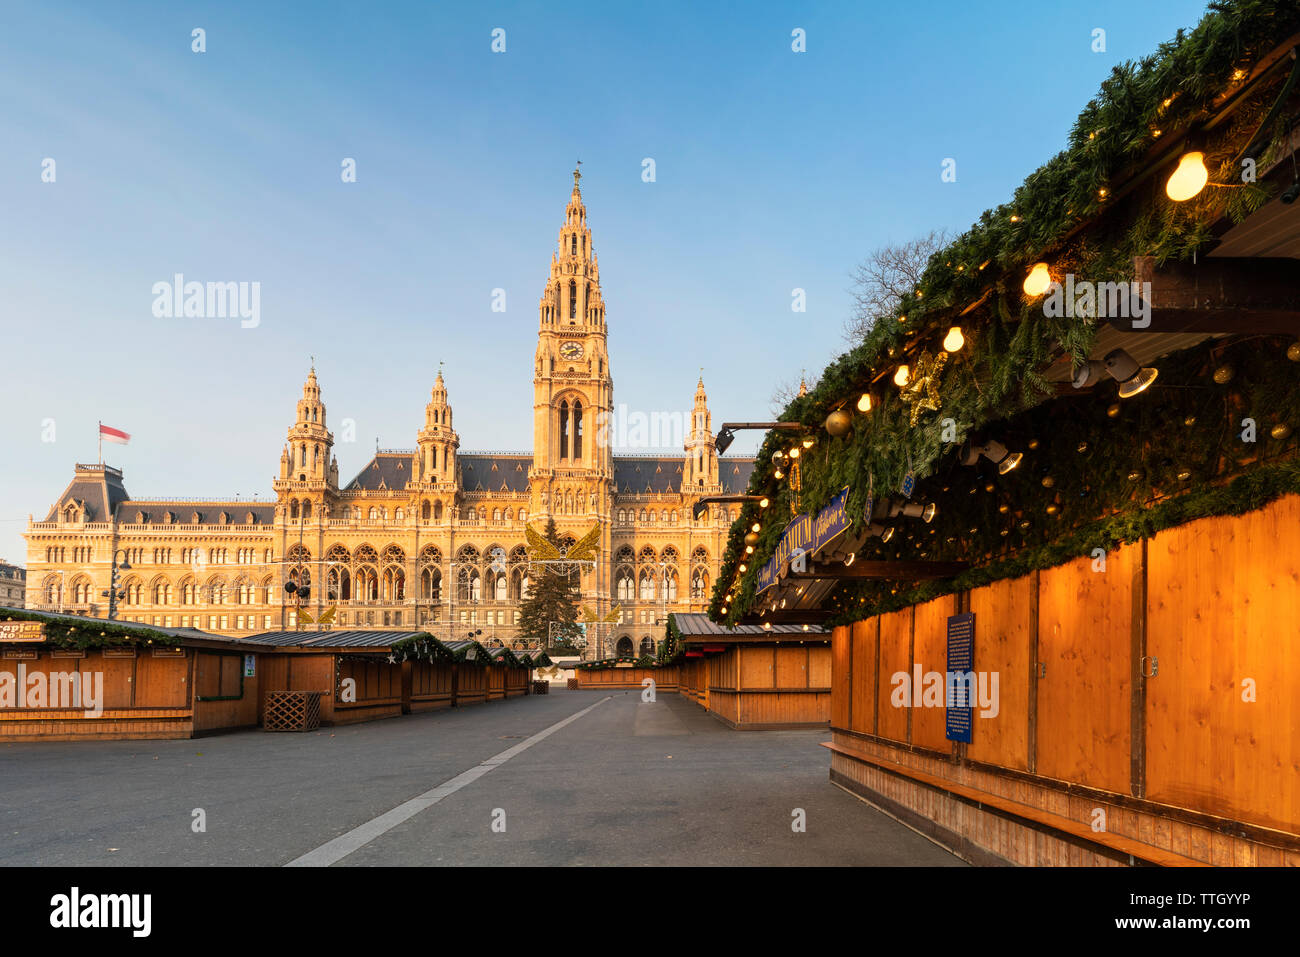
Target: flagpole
column 100, row 431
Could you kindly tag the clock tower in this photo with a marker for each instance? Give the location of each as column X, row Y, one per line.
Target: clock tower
column 573, row 392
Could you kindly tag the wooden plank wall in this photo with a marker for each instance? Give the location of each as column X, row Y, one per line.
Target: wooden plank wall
column 1213, row 605
column 1224, row 616
column 930, row 653
column 895, row 659
column 1085, row 612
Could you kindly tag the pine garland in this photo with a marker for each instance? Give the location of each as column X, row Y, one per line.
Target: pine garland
column 83, row 635
column 998, row 376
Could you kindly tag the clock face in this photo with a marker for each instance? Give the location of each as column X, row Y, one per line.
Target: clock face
column 571, row 350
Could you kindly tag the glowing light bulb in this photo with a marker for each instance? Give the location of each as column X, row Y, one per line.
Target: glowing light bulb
column 1038, row 280
column 864, row 402
column 954, row 340
column 1189, row 179
column 902, row 375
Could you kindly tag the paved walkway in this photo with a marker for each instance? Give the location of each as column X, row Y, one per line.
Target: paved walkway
column 618, row 782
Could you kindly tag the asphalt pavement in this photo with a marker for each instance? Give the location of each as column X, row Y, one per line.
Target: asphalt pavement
column 626, row 782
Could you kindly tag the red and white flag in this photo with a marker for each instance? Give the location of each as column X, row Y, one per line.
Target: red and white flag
column 113, row 435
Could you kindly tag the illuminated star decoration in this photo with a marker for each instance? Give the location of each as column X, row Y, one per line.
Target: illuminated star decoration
column 922, row 389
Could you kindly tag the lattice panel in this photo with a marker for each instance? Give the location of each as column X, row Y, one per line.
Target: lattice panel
column 292, row 711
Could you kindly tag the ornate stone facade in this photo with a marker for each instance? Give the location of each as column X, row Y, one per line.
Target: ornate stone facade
column 428, row 537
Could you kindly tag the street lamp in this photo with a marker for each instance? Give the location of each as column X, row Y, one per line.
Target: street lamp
column 113, row 594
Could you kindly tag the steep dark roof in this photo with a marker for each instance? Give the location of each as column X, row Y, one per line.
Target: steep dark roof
column 735, row 474
column 97, row 487
column 636, row 474
column 493, row 472
column 390, row 470
column 146, row 511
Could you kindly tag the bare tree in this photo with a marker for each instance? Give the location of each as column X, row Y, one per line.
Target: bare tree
column 784, row 393
column 884, row 277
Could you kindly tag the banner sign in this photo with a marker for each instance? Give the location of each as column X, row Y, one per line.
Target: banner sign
column 22, row 631
column 807, row 534
column 960, row 677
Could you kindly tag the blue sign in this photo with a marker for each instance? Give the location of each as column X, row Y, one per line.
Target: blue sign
column 961, row 678
column 804, row 537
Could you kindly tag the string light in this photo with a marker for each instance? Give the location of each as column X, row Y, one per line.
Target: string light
column 1189, row 178
column 1038, row 280
column 901, row 376
column 954, row 340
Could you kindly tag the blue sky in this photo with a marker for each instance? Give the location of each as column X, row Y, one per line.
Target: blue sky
column 774, row 170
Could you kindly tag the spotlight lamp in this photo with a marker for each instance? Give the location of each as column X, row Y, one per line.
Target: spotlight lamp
column 1131, row 377
column 724, row 440
column 1038, row 281
column 1189, row 178
column 995, row 452
column 925, row 512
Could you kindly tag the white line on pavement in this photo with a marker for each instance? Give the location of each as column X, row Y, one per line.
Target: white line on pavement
column 331, row 852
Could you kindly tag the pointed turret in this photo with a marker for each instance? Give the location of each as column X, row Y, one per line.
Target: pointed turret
column 435, row 458
column 306, row 473
column 572, row 294
column 701, row 472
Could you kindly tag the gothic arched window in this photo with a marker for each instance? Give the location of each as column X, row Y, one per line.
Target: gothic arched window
column 564, row 430
column 573, row 299
column 577, row 430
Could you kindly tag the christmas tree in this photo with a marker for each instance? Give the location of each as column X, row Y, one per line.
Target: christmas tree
column 549, row 615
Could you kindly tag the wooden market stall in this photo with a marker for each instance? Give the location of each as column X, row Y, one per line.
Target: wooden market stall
column 72, row 678
column 622, row 674
column 755, row 678
column 1053, row 518
column 470, row 676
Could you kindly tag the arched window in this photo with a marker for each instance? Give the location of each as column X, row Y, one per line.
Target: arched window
column 624, row 590
column 573, row 299
column 624, row 647
column 437, row 511
column 647, row 586
column 573, row 245
column 699, row 584
column 577, row 431
column 564, row 430
column 425, row 511
column 293, row 509
column 306, row 510
column 502, row 587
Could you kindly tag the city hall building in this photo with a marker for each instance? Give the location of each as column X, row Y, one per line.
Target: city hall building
column 427, row 537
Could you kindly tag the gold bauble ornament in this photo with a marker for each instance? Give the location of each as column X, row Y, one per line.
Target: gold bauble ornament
column 1280, row 431
column 839, row 423
column 1113, row 410
column 1293, row 352
column 1224, row 373
column 1048, row 481
column 751, row 539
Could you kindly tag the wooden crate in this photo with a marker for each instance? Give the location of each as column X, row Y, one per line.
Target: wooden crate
column 292, row 711
column 541, row 687
column 573, row 684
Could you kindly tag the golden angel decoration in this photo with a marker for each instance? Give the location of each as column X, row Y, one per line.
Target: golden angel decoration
column 558, row 560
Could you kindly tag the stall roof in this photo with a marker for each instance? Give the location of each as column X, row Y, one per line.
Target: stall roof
column 132, row 629
column 334, row 639
column 692, row 625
